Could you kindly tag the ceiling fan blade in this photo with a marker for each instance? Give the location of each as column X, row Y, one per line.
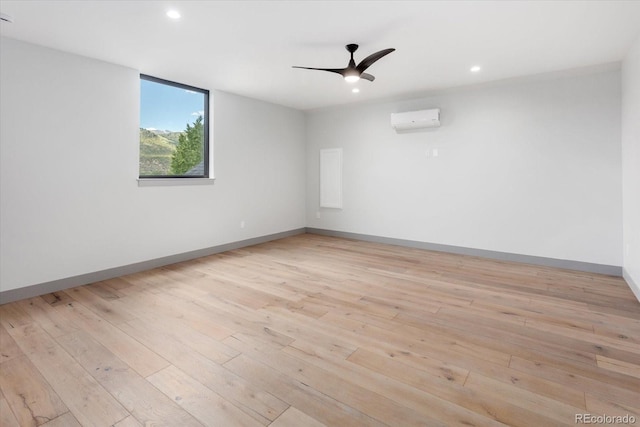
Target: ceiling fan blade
column 367, row 77
column 331, row 70
column 369, row 60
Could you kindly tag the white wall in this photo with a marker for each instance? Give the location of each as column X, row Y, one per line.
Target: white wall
column 631, row 165
column 69, row 199
column 530, row 167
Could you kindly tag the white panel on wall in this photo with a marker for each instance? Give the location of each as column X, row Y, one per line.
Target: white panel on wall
column 331, row 178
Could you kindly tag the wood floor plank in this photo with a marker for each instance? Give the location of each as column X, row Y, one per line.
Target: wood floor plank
column 457, row 397
column 234, row 316
column 117, row 283
column 331, row 349
column 134, row 354
column 65, row 420
column 295, row 418
column 317, row 404
column 56, row 298
column 13, row 316
column 252, row 274
column 316, row 330
column 8, row 347
column 176, row 310
column 258, row 403
column 388, row 401
column 130, row 421
column 596, row 387
column 425, row 342
column 619, row 366
column 145, row 402
column 598, row 405
column 279, row 319
column 182, row 335
column 103, row 308
column 29, row 395
column 48, row 317
column 594, row 372
column 89, row 402
column 557, row 412
column 599, row 344
column 208, row 407
column 541, row 386
column 105, row 291
column 503, row 337
column 621, row 333
column 7, row 418
column 423, row 371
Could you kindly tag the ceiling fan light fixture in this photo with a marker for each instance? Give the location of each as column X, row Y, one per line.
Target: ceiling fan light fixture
column 352, row 73
column 6, row 18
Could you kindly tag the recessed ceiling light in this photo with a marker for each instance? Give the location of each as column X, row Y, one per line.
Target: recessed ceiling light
column 475, row 69
column 173, row 14
column 355, row 90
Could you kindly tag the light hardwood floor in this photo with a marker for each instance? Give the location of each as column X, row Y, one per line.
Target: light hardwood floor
column 313, row 330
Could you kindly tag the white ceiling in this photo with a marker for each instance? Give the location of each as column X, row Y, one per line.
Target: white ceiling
column 248, row 47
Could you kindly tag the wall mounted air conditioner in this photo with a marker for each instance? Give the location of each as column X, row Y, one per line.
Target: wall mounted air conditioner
column 416, row 119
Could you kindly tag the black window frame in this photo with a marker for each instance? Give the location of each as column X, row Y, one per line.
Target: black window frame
column 205, row 158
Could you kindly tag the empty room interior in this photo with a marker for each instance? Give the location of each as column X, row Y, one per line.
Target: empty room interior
column 319, row 213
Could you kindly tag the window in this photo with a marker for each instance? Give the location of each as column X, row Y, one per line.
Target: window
column 174, row 130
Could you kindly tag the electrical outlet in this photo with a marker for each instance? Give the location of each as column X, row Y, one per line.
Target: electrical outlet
column 241, row 224
column 435, row 152
column 318, row 215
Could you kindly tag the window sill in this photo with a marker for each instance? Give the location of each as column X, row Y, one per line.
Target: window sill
column 171, row 182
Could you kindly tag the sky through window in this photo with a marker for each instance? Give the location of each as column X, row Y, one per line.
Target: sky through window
column 164, row 107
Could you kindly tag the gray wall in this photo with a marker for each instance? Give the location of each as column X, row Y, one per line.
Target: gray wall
column 69, row 197
column 529, row 166
column 631, row 166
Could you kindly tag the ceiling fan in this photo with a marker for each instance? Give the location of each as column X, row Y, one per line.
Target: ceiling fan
column 354, row 72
